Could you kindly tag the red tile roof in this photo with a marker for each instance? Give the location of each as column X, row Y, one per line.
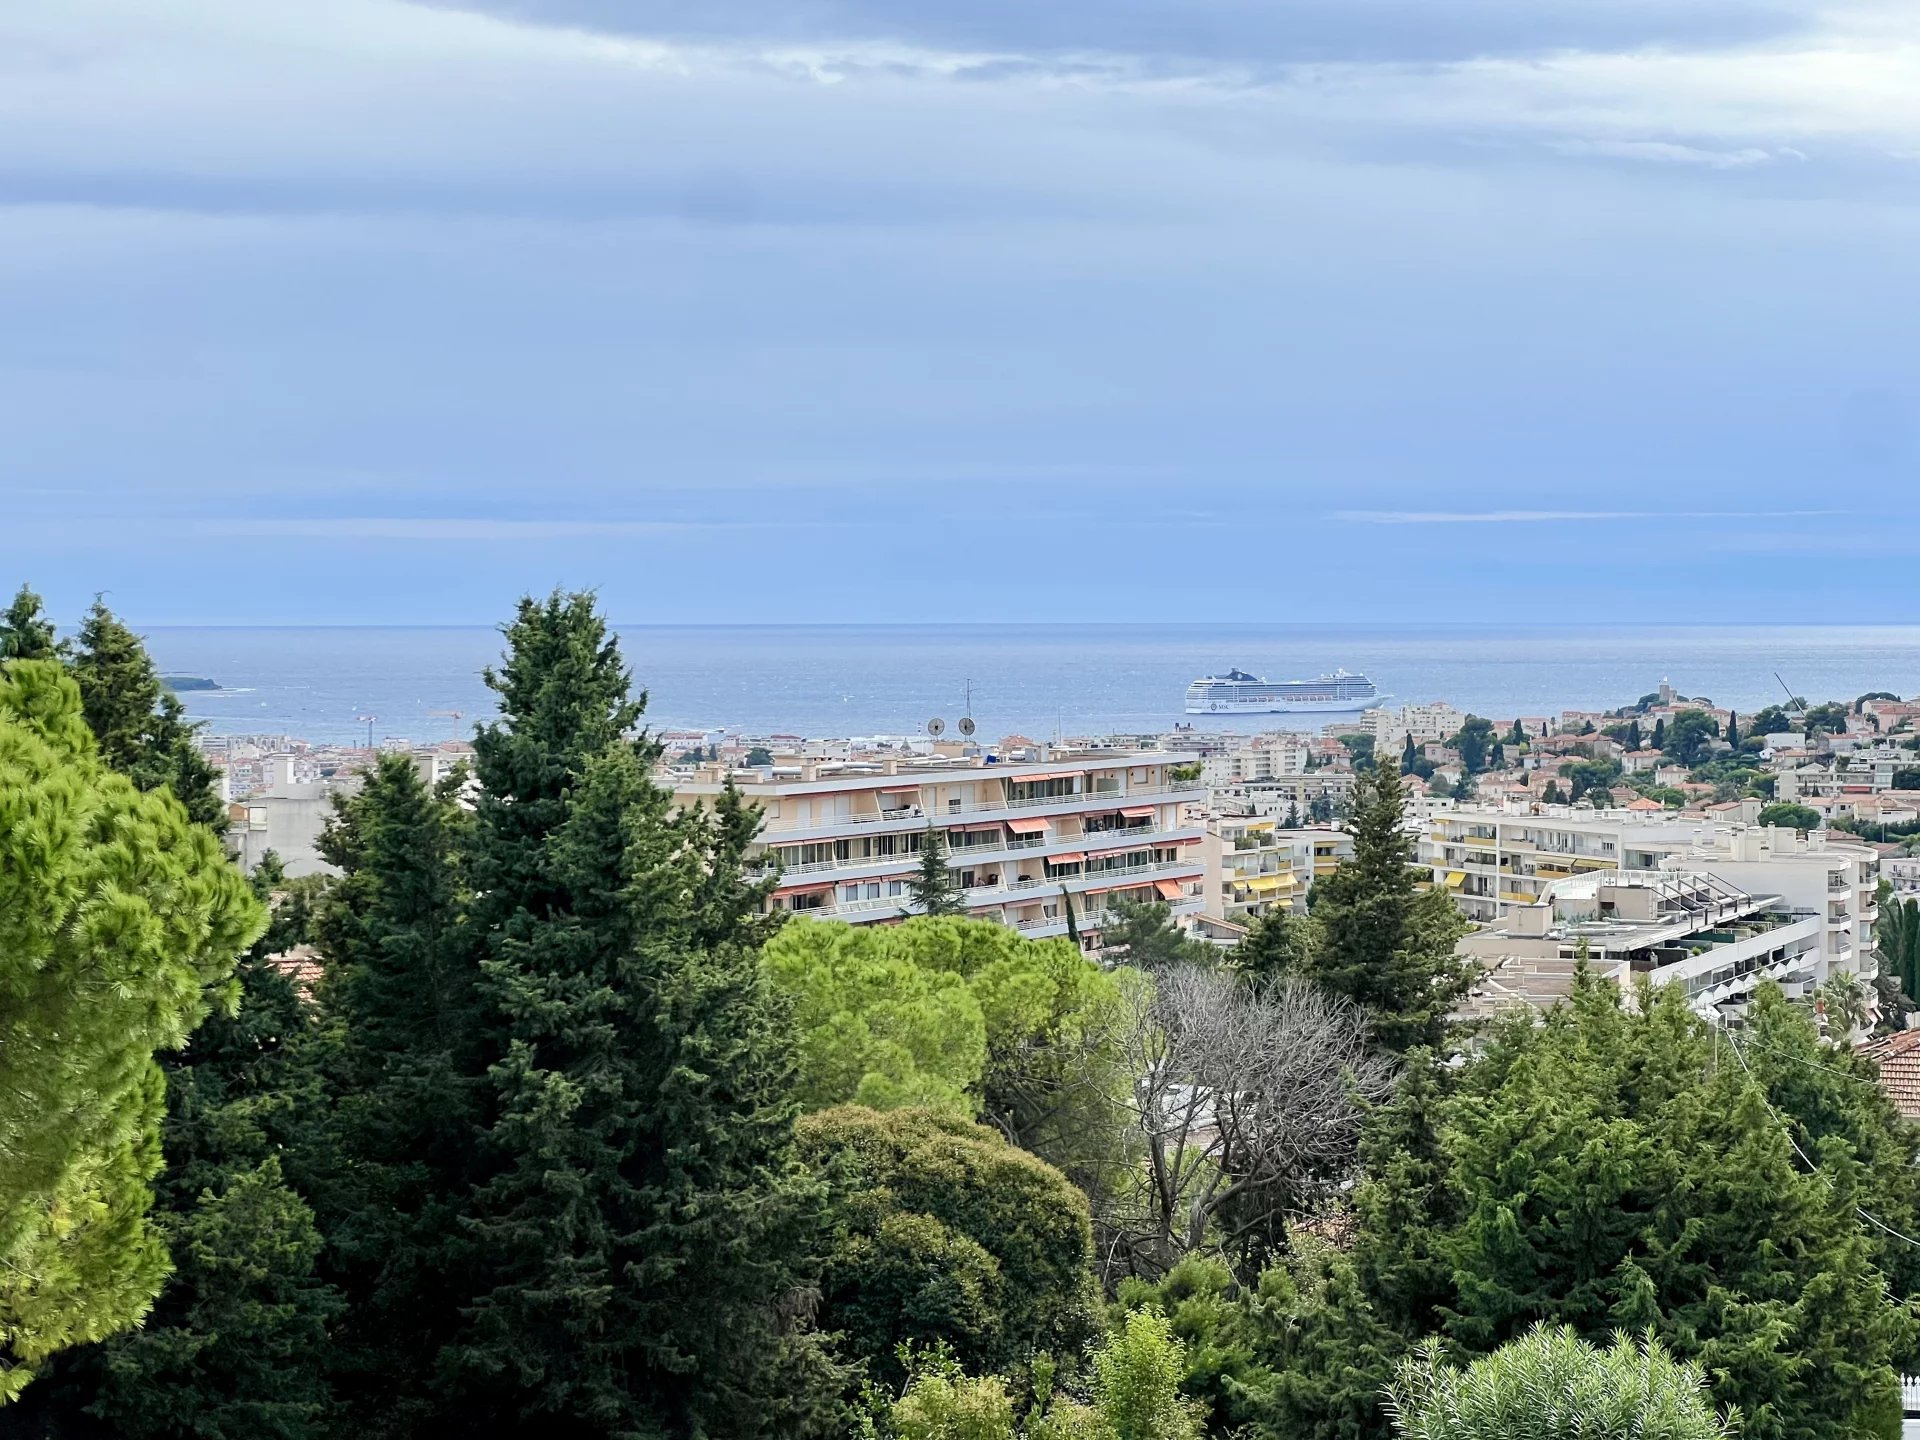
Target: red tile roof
column 1898, row 1056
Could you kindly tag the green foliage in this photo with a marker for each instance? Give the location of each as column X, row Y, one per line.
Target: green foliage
column 876, row 1026
column 1551, row 1385
column 1827, row 719
column 118, row 916
column 1136, row 1382
column 1383, row 942
column 1789, row 816
column 1897, row 937
column 140, row 725
column 1690, row 736
column 931, row 889
column 1359, row 746
column 1907, row 777
column 943, row 1403
column 758, row 756
column 946, row 1234
column 641, row 1216
column 1587, row 776
column 1145, row 935
column 238, row 1342
column 1206, row 1314
column 405, row 1067
column 1474, row 742
column 25, row 631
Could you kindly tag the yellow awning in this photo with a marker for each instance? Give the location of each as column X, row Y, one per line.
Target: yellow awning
column 1267, row 884
column 1455, row 879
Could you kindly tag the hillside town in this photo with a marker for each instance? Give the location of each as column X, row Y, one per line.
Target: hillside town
column 1668, row 838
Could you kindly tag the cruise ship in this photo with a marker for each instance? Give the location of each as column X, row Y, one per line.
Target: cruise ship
column 1238, row 693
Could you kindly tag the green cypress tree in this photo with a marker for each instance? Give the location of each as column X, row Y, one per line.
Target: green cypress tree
column 930, row 889
column 117, row 919
column 644, row 1217
column 405, row 1065
column 1409, row 753
column 1384, row 942
column 25, row 632
column 140, row 725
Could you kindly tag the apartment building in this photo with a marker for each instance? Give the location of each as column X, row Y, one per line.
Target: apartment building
column 1092, row 825
column 1286, row 794
column 1493, row 859
column 1259, row 757
column 1255, row 867
column 1392, row 725
column 1670, row 927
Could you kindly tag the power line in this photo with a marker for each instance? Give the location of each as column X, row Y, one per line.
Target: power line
column 1787, row 1130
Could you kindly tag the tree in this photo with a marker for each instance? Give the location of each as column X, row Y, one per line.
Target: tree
column 1386, row 944
column 1733, row 727
column 406, row 1068
column 1136, row 1382
column 1145, row 935
column 1473, row 742
column 1551, row 794
column 238, row 1341
column 1409, row 753
column 120, row 922
column 1246, row 1108
column 1660, row 733
column 759, row 756
column 643, row 1225
column 1689, row 737
column 1907, row 777
column 1292, row 822
column 1897, row 937
column 1551, row 1385
column 876, row 1027
column 1497, row 757
column 931, row 889
column 25, row 632
column 1517, row 736
column 140, row 725
column 1636, row 738
column 1789, row 816
column 944, row 1233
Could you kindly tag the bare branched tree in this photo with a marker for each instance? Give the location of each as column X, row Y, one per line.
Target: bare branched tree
column 1245, row 1108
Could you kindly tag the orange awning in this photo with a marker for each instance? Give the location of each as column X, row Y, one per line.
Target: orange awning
column 1050, row 775
column 974, row 829
column 1077, row 858
column 1169, row 889
column 815, row 889
column 1027, row 826
column 1138, row 812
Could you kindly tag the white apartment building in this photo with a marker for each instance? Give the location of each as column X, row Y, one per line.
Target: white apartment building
column 1669, row 927
column 1256, row 867
column 1493, row 859
column 1283, row 794
column 286, row 818
column 1260, row 757
column 1021, row 839
column 1392, row 725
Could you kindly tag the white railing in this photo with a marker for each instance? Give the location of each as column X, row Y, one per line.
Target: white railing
column 976, row 807
column 1910, row 1394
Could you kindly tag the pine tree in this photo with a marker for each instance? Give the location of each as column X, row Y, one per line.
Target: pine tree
column 26, row 633
column 1409, row 753
column 1384, row 942
column 140, row 725
column 1636, row 738
column 643, row 1217
column 406, row 1068
column 1733, row 728
column 931, row 890
column 118, row 921
column 1660, row 733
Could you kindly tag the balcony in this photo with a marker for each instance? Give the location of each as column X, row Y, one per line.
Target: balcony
column 790, row 831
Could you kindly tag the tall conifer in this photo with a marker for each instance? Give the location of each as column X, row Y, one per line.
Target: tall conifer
column 406, row 1070
column 644, row 1216
column 1383, row 941
column 141, row 727
column 25, row 632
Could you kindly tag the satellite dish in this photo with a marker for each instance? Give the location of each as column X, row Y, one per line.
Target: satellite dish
column 936, row 726
column 966, row 725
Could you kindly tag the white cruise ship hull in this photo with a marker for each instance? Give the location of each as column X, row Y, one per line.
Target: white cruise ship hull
column 1279, row 705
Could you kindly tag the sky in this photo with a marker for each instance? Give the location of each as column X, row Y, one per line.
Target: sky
column 841, row 310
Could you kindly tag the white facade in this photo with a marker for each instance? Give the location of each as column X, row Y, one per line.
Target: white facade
column 1256, row 867
column 1391, row 725
column 1021, row 839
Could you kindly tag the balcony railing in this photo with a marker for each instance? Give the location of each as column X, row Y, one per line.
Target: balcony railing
column 975, row 807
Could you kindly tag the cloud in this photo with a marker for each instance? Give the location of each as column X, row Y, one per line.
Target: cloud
column 1665, row 153
column 1549, row 517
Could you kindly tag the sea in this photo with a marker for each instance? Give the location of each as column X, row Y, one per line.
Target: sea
column 422, row 684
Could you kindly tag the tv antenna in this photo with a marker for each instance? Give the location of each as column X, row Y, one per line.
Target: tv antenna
column 966, row 726
column 936, row 727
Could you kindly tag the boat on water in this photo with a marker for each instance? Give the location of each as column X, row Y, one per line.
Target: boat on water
column 1238, row 693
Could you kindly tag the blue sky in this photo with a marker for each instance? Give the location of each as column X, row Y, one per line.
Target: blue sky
column 754, row 310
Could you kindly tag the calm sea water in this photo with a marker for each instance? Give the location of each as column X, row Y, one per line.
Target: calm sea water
column 1035, row 679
